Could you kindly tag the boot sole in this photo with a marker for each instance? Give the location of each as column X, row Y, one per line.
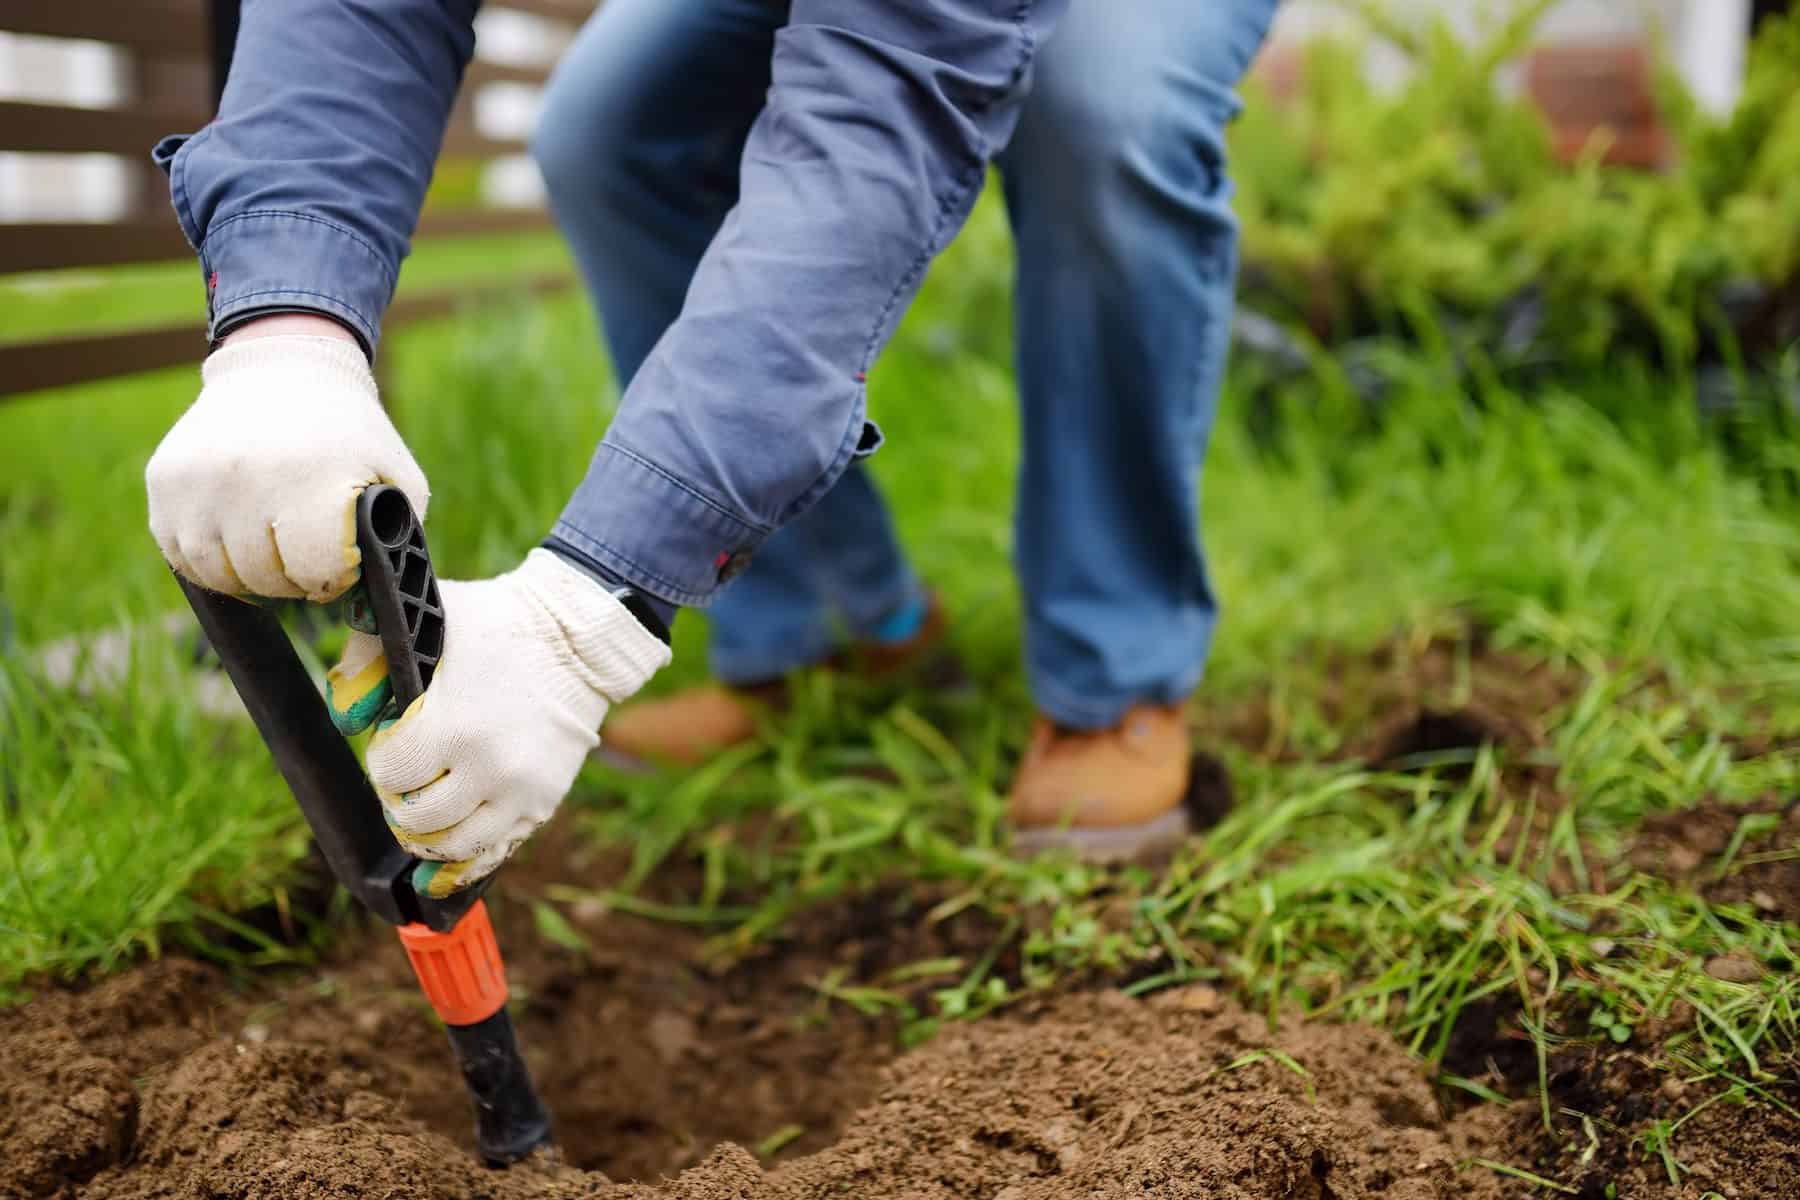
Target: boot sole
column 631, row 764
column 1117, row 844
column 1207, row 801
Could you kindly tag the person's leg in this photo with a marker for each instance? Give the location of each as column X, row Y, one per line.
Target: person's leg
column 857, row 559
column 643, row 127
column 1127, row 252
column 643, row 123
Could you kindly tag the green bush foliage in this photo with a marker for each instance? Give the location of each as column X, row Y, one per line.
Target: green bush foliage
column 1364, row 207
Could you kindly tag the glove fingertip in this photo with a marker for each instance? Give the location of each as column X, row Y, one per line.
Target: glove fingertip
column 359, row 701
column 358, row 613
column 440, row 879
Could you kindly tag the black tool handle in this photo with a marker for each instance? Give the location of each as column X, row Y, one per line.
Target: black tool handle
column 342, row 808
column 510, row 1122
column 401, row 589
column 318, row 764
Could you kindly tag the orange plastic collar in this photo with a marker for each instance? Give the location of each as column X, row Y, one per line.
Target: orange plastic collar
column 460, row 971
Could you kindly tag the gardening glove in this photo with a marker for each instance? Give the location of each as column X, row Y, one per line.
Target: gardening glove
column 253, row 492
column 531, row 663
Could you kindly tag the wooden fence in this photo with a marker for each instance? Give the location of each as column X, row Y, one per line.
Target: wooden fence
column 179, row 51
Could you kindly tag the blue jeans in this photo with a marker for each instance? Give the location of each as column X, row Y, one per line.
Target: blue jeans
column 1119, row 201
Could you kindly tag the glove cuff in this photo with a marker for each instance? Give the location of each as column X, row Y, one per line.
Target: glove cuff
column 298, row 358
column 620, row 655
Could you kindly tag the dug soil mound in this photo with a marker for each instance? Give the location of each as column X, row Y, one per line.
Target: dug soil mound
column 671, row 1079
column 162, row 1084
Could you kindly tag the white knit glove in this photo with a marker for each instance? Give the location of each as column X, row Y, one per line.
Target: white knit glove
column 253, row 492
column 531, row 663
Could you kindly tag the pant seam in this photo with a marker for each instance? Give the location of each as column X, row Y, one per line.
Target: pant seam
column 950, row 200
column 619, row 447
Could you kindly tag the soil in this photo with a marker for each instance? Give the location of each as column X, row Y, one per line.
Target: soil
column 1725, row 1148
column 1692, row 845
column 172, row 1081
column 164, row 1083
column 672, row 1077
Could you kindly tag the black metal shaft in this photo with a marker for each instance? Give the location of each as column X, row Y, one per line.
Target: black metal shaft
column 318, row 764
column 509, row 1121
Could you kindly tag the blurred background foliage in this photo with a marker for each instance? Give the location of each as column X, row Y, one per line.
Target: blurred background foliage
column 1368, row 208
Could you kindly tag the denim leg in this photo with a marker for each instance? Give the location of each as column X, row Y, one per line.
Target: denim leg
column 880, row 121
column 839, row 559
column 850, row 540
column 1127, row 253
column 643, row 126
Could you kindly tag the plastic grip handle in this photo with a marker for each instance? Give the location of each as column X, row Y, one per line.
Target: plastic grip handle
column 401, row 588
column 452, row 949
column 460, row 967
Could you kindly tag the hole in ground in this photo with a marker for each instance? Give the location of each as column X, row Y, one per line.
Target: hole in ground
column 1430, row 734
column 645, row 1058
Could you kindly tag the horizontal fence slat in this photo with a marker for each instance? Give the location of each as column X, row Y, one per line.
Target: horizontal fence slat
column 58, row 129
column 172, row 26
column 480, row 72
column 81, row 358
column 51, row 246
column 464, row 142
column 569, row 12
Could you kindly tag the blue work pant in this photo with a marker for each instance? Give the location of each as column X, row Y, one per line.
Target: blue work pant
column 1118, row 196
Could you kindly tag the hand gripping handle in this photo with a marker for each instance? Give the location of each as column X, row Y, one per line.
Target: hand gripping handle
column 459, row 968
column 450, row 942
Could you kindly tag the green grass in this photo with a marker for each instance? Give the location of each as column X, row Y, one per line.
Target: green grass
column 1592, row 524
column 128, row 822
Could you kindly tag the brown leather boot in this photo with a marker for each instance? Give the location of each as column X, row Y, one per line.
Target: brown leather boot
column 1109, row 795
column 690, row 726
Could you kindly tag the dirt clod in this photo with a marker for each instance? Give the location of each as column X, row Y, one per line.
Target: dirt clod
column 65, row 1113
